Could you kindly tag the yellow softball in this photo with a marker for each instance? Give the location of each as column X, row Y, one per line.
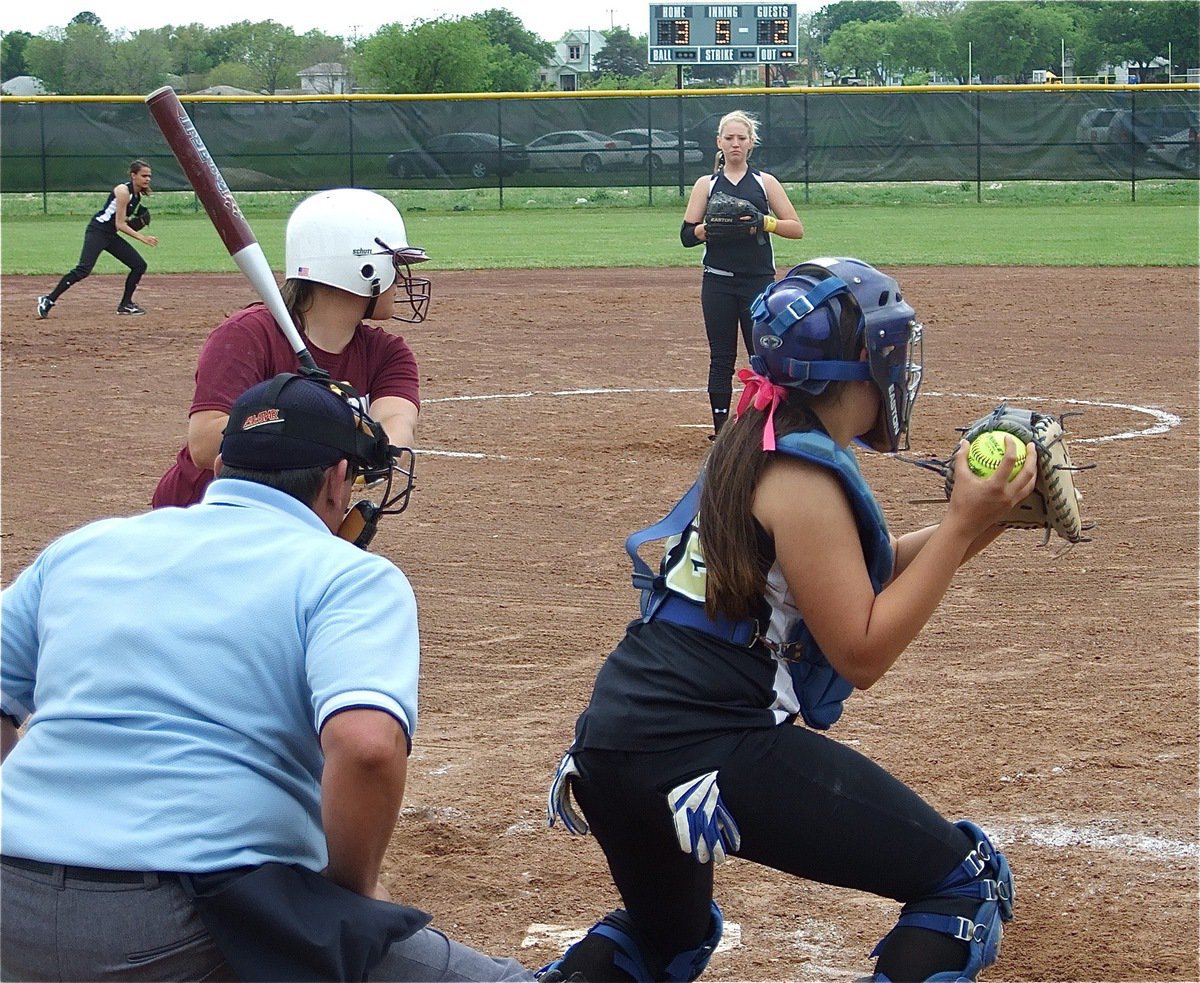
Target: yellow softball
column 986, row 453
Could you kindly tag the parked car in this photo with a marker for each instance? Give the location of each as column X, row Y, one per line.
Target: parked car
column 582, row 150
column 1093, row 126
column 478, row 154
column 654, row 148
column 1141, row 128
column 1178, row 150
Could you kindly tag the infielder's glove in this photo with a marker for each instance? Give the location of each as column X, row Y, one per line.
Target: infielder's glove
column 727, row 217
column 1053, row 505
column 139, row 220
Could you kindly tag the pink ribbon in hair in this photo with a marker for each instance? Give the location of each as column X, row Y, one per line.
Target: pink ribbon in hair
column 761, row 393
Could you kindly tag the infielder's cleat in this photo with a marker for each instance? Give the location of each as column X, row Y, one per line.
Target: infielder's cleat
column 43, row 308
column 129, row 309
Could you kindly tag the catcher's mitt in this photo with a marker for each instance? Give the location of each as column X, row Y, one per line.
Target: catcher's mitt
column 1053, row 505
column 727, row 217
column 139, row 219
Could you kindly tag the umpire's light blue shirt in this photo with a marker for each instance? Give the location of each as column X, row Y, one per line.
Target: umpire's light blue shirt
column 179, row 666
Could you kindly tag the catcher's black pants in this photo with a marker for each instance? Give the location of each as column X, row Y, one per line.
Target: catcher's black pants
column 99, row 239
column 804, row 804
column 725, row 302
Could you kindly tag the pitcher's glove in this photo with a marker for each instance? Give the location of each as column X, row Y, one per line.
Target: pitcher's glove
column 139, row 219
column 727, row 217
column 1053, row 505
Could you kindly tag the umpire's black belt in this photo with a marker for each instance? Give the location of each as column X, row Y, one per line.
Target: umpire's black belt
column 94, row 874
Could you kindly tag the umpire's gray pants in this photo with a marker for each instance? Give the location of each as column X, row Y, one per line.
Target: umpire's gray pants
column 54, row 926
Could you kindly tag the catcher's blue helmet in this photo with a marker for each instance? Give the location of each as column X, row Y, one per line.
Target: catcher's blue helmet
column 811, row 326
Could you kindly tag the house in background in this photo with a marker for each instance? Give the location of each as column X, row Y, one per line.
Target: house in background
column 326, row 78
column 574, row 56
column 24, row 85
column 225, row 90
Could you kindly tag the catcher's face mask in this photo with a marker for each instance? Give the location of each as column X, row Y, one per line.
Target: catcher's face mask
column 895, row 351
column 308, row 420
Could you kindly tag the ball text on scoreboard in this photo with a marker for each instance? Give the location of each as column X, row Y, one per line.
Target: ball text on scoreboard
column 722, row 33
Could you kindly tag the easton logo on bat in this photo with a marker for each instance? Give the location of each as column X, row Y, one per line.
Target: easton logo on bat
column 194, row 138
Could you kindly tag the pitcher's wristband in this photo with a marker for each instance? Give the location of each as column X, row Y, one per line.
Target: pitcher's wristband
column 769, row 223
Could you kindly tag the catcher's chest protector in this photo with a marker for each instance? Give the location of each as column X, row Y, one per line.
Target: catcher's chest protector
column 820, row 690
column 872, row 527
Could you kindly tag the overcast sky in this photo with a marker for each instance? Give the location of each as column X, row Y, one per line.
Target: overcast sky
column 549, row 19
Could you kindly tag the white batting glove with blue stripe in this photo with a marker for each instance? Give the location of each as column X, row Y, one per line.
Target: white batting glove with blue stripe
column 703, row 826
column 558, row 801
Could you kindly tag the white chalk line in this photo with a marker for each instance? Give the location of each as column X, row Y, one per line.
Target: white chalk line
column 561, row 936
column 820, row 942
column 1163, row 420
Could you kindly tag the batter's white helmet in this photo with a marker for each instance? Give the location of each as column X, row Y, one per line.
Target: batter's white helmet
column 354, row 239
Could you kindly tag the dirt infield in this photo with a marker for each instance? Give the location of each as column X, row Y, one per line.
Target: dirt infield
column 1052, row 699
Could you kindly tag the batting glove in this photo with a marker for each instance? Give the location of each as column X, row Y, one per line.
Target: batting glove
column 703, row 826
column 558, row 802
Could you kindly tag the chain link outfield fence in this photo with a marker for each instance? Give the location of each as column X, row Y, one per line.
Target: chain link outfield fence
column 807, row 136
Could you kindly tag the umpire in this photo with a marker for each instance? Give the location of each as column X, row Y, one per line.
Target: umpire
column 218, row 705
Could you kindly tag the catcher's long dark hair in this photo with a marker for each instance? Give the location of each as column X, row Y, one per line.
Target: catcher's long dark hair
column 735, row 577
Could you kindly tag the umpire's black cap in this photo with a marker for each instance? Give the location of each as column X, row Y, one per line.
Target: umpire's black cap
column 292, row 422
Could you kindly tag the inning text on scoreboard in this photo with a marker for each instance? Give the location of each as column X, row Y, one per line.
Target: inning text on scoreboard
column 722, row 33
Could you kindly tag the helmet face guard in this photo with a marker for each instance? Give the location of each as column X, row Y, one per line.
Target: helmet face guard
column 811, row 327
column 414, row 306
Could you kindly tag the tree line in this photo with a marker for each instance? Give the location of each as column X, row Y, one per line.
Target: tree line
column 871, row 40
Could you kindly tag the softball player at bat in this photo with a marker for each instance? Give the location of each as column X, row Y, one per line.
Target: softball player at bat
column 735, row 269
column 348, row 261
column 103, row 235
column 688, row 751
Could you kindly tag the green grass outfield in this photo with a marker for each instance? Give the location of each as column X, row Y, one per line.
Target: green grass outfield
column 1067, row 225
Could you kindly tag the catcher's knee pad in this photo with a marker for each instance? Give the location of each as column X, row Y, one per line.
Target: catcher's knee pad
column 983, row 877
column 610, row 944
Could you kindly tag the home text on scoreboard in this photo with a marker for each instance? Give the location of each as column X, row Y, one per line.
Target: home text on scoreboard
column 722, row 33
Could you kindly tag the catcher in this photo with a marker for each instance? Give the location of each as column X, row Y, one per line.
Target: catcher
column 730, row 211
column 782, row 591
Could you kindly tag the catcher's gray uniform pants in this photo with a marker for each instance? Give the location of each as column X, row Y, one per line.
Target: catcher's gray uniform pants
column 59, row 926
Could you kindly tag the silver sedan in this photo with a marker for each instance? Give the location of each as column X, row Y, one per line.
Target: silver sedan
column 578, row 150
column 659, row 148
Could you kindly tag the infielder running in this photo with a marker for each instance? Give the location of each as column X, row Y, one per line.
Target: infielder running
column 736, row 267
column 348, row 261
column 123, row 214
column 780, row 593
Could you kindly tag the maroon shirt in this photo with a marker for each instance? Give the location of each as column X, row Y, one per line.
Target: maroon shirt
column 248, row 348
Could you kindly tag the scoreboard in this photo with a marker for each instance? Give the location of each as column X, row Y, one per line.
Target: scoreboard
column 722, row 33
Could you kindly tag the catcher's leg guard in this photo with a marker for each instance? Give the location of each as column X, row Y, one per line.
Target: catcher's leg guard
column 610, row 945
column 983, row 876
